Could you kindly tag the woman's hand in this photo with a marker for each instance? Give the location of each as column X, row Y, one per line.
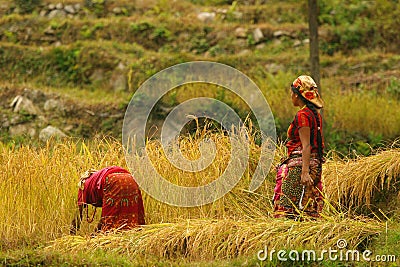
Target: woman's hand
column 306, row 179
column 74, row 227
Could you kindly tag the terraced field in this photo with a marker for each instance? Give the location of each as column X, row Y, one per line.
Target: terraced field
column 74, row 65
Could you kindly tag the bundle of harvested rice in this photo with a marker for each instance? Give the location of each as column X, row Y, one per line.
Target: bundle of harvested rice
column 221, row 239
column 354, row 182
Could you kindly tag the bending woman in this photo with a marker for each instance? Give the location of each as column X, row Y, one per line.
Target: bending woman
column 117, row 193
column 298, row 182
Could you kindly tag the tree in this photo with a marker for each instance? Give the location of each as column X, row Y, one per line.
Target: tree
column 314, row 52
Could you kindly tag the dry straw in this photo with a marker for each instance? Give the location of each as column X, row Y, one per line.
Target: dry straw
column 39, row 186
column 39, row 190
column 220, row 239
column 354, row 183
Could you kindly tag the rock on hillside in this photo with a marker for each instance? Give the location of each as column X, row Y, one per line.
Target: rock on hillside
column 34, row 114
column 50, row 132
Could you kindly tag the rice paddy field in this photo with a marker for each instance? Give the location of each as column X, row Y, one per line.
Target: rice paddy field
column 91, row 56
column 39, row 188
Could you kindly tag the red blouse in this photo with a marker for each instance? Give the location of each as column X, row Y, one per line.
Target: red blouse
column 303, row 118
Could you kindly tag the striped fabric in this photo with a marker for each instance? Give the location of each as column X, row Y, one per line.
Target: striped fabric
column 303, row 118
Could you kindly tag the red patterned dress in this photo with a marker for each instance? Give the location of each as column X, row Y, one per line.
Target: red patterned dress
column 291, row 198
column 117, row 193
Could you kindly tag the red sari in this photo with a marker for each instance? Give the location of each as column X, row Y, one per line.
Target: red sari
column 117, row 193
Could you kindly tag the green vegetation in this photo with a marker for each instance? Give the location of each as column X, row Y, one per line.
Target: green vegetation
column 27, row 6
column 356, row 41
column 77, row 59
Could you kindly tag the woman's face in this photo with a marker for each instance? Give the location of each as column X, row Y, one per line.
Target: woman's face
column 294, row 98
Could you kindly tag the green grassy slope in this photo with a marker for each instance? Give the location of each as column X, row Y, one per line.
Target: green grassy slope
column 76, row 57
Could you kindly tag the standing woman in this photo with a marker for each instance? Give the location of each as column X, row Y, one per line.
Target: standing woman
column 298, row 188
column 116, row 192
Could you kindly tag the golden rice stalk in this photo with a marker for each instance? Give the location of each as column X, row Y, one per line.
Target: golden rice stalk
column 221, row 239
column 38, row 186
column 354, row 182
column 239, row 203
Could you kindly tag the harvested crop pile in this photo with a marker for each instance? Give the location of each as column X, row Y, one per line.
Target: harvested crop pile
column 225, row 238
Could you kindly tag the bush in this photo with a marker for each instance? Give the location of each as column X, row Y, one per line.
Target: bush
column 361, row 24
column 27, row 6
column 394, row 88
column 67, row 62
column 96, row 6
